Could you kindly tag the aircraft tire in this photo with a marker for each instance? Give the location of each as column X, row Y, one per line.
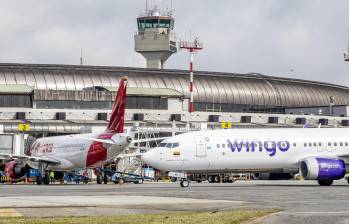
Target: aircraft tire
column 325, row 182
column 184, row 183
column 199, row 181
column 99, row 179
column 348, row 180
column 210, row 179
column 39, row 180
column 105, row 179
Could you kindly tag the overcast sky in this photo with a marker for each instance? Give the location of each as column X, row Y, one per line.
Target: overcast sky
column 289, row 38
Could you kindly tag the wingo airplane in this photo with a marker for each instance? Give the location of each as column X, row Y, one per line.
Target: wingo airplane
column 317, row 154
column 71, row 152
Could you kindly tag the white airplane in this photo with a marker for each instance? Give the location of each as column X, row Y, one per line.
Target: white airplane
column 317, row 154
column 71, row 152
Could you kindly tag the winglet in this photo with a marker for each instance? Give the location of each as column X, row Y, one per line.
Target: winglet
column 117, row 118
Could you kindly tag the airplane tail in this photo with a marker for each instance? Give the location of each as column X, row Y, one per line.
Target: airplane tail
column 117, row 118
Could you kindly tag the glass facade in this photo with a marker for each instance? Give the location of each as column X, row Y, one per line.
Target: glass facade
column 15, row 101
column 133, row 102
column 224, row 107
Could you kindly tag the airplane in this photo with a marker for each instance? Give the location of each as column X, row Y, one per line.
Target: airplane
column 70, row 152
column 315, row 153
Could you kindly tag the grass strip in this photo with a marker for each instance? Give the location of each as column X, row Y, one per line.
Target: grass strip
column 219, row 217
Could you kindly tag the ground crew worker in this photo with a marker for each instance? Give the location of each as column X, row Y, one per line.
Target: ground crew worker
column 52, row 177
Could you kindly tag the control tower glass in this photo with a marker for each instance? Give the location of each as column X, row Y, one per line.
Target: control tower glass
column 150, row 23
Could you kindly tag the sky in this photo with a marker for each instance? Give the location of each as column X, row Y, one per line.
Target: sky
column 286, row 38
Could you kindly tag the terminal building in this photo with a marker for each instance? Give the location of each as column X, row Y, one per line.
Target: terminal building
column 56, row 99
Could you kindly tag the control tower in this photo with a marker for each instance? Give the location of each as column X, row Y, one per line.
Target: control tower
column 155, row 38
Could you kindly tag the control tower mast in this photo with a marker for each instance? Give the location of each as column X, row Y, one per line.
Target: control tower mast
column 155, row 38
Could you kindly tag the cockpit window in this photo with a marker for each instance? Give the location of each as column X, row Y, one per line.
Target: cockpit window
column 162, row 144
column 169, row 145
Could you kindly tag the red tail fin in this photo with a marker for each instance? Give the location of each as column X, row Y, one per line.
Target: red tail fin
column 116, row 123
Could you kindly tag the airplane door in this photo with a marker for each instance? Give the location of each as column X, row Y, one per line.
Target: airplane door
column 200, row 146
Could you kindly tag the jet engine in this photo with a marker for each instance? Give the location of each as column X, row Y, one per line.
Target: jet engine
column 322, row 169
column 272, row 176
column 15, row 169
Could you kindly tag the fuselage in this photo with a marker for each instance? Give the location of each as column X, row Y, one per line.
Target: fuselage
column 78, row 151
column 247, row 150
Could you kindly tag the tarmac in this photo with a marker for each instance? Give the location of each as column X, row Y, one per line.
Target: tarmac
column 300, row 201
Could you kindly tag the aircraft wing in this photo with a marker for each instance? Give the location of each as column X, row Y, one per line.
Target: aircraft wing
column 345, row 157
column 44, row 159
column 111, row 142
column 148, row 140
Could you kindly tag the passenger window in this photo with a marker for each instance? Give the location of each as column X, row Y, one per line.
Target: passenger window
column 319, row 143
column 162, row 144
column 341, row 144
column 346, row 144
column 305, row 144
column 294, row 145
column 329, row 144
column 175, row 145
column 335, row 144
column 169, row 145
column 314, row 144
column 309, row 144
column 218, row 146
column 223, row 145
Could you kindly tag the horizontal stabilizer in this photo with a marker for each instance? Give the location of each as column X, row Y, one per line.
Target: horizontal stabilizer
column 106, row 141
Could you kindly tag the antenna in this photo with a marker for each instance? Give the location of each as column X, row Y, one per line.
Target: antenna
column 346, row 55
column 192, row 47
column 171, row 9
column 81, row 61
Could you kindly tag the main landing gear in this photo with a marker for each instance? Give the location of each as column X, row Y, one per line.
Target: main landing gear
column 185, row 183
column 43, row 176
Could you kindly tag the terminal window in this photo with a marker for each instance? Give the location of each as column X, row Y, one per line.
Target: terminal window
column 133, row 102
column 15, row 101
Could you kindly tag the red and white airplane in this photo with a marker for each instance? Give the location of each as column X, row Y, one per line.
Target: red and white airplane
column 71, row 152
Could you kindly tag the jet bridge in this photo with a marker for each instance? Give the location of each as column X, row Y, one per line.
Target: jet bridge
column 13, row 144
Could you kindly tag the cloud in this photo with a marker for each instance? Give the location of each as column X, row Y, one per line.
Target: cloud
column 291, row 38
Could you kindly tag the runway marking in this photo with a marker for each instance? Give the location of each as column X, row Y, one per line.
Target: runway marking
column 9, row 212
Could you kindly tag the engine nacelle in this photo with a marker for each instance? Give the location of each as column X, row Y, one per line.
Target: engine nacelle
column 15, row 170
column 322, row 169
column 272, row 176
